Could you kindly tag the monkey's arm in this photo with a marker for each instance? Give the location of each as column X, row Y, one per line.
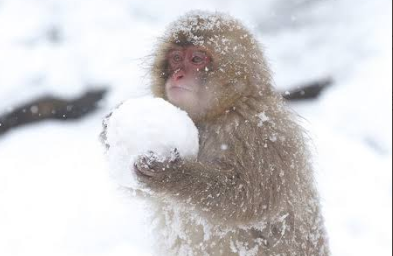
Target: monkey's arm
column 214, row 188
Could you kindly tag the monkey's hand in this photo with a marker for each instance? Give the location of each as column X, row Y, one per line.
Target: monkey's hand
column 151, row 166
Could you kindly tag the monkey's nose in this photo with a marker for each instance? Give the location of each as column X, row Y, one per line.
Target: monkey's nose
column 179, row 74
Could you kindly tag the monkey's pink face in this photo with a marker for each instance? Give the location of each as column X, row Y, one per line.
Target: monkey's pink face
column 186, row 86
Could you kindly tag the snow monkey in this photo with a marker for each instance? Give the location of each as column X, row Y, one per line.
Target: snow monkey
column 251, row 190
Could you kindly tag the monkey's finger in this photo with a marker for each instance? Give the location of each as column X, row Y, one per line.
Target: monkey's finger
column 175, row 156
column 143, row 170
column 143, row 166
column 151, row 157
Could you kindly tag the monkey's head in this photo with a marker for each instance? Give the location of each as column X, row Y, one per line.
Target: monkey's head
column 206, row 63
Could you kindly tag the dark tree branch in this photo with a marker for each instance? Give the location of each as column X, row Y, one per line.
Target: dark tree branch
column 51, row 108
column 308, row 91
column 60, row 109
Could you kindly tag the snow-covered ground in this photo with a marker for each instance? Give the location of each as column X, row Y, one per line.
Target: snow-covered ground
column 56, row 197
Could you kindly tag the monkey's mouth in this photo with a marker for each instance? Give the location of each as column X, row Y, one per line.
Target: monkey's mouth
column 180, row 88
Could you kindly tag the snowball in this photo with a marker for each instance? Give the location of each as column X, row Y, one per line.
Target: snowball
column 144, row 125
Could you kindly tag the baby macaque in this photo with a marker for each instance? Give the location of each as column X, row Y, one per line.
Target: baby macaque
column 251, row 190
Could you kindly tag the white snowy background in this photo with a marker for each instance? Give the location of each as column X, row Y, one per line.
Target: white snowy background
column 56, row 197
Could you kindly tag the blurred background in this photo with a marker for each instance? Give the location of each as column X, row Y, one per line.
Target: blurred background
column 64, row 64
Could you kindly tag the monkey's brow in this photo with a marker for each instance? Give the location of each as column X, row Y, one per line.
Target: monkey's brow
column 184, row 43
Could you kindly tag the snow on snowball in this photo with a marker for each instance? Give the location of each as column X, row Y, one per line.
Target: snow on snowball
column 143, row 125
